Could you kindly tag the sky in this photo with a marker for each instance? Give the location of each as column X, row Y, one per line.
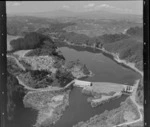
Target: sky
column 132, row 7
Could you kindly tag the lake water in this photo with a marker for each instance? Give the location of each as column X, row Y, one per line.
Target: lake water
column 104, row 69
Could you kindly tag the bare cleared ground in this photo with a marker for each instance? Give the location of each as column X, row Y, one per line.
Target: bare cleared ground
column 129, row 116
column 49, row 104
column 37, row 62
column 40, row 63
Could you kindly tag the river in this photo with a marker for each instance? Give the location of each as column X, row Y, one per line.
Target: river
column 80, row 110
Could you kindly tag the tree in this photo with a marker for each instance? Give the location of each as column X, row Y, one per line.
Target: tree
column 64, row 77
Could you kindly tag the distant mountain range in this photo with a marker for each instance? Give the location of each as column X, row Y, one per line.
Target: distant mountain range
column 85, row 15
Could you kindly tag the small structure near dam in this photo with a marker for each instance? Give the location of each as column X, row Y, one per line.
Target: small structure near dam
column 127, row 90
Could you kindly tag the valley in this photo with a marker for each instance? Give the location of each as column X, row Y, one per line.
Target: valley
column 76, row 71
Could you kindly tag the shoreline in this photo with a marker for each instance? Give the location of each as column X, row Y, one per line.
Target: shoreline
column 115, row 57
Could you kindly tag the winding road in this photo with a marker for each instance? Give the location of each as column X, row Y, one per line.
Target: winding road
column 50, row 88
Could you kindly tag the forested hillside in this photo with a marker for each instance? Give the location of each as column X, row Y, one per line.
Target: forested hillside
column 135, row 31
column 30, row 41
column 130, row 48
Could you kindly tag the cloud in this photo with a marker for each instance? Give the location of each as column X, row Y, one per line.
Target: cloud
column 105, row 6
column 13, row 3
column 90, row 5
column 66, row 6
column 113, row 8
column 16, row 4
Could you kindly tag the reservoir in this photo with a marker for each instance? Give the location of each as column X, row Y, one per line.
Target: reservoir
column 104, row 69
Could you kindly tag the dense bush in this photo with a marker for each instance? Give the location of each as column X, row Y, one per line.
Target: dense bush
column 128, row 49
column 48, row 48
column 30, row 41
column 135, row 31
column 36, row 79
column 64, row 77
column 110, row 38
column 38, row 75
column 74, row 37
